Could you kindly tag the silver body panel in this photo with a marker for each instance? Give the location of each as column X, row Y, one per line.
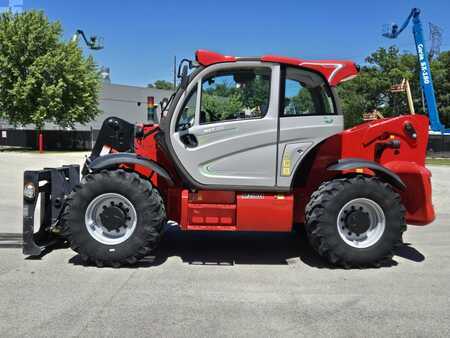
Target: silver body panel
column 298, row 136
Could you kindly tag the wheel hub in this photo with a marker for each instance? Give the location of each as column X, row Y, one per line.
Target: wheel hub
column 357, row 221
column 361, row 222
column 110, row 218
column 113, row 217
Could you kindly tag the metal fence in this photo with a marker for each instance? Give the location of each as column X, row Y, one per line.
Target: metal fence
column 439, row 146
column 53, row 139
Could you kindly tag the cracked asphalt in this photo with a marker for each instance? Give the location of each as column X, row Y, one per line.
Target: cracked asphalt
column 214, row 284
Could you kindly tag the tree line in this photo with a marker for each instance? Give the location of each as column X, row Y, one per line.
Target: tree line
column 388, row 66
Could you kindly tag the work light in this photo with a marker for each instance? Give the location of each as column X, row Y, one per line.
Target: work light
column 29, row 191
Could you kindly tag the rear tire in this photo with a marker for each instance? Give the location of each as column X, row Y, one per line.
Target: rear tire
column 355, row 222
column 136, row 225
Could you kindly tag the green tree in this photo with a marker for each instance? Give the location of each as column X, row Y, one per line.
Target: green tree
column 385, row 67
column 371, row 89
column 303, row 102
column 256, row 93
column 219, row 108
column 42, row 78
column 161, row 84
column 224, row 100
column 440, row 68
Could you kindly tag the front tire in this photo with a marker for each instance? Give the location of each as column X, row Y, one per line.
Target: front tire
column 355, row 222
column 113, row 218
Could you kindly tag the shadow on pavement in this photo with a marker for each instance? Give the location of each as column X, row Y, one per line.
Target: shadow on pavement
column 239, row 248
column 57, row 244
column 10, row 240
column 408, row 252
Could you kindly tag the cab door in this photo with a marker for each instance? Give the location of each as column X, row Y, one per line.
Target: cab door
column 224, row 131
column 309, row 115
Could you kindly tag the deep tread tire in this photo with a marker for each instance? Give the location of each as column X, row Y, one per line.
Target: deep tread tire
column 321, row 220
column 150, row 210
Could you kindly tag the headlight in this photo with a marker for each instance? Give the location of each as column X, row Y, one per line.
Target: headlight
column 29, row 191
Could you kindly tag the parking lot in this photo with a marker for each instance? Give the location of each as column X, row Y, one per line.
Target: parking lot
column 222, row 284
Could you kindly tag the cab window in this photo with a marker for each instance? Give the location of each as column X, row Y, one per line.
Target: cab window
column 236, row 94
column 306, row 93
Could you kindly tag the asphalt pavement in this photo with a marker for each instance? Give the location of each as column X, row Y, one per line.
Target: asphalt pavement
column 223, row 284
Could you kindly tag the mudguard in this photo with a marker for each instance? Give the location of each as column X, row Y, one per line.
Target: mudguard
column 113, row 160
column 381, row 171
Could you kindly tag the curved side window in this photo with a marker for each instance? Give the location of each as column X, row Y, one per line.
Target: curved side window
column 306, row 94
column 186, row 117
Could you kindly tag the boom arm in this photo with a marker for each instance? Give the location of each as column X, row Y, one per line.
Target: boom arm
column 426, row 80
column 396, row 31
column 92, row 43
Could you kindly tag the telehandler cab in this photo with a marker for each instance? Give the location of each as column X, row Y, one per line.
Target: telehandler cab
column 244, row 144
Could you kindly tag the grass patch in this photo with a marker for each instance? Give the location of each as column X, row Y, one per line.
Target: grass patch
column 438, row 161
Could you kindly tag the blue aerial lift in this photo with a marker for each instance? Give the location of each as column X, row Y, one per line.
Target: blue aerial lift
column 426, row 80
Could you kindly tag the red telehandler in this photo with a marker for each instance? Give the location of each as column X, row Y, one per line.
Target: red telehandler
column 244, row 144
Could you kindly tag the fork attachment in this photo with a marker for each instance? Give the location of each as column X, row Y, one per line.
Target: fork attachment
column 52, row 185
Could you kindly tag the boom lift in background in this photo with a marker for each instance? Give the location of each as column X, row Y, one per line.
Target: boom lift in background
column 426, row 80
column 94, row 42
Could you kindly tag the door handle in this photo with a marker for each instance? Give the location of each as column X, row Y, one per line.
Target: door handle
column 189, row 140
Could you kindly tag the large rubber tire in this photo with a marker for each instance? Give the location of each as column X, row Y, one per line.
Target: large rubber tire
column 147, row 203
column 321, row 218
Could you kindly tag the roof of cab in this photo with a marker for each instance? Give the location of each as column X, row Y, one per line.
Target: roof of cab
column 334, row 71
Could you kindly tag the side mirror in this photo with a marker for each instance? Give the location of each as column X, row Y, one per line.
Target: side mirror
column 184, row 77
column 163, row 104
column 158, row 114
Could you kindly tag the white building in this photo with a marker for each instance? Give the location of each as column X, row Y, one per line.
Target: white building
column 126, row 102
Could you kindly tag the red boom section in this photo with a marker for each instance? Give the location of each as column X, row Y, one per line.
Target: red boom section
column 369, row 141
column 408, row 161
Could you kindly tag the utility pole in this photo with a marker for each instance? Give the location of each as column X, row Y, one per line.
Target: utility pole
column 436, row 40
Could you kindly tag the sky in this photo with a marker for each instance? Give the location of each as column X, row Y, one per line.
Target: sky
column 141, row 37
